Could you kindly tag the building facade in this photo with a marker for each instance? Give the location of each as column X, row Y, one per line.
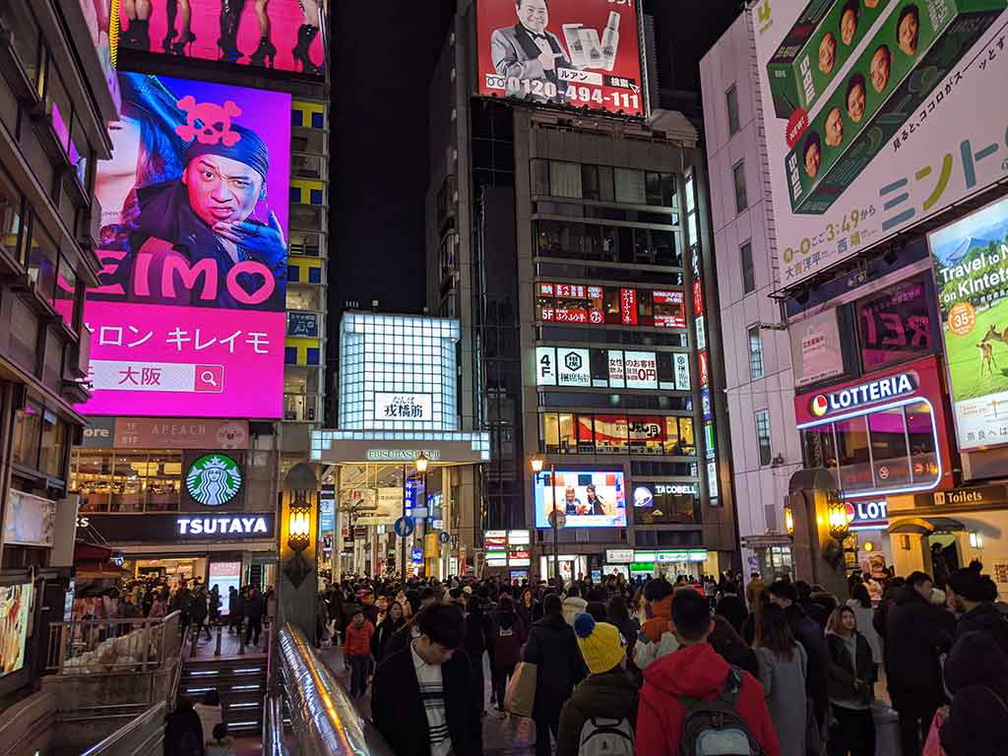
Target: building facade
column 56, row 102
column 890, row 288
column 574, row 249
column 765, row 446
column 241, row 384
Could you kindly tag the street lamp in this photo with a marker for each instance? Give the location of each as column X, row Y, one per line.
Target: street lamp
column 789, row 518
column 536, row 463
column 421, row 463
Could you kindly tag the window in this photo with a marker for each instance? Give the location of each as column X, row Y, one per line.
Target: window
column 731, row 96
column 748, row 275
column 741, row 201
column 540, row 177
column 20, row 20
column 565, row 179
column 42, row 262
column 589, row 182
column 27, row 435
column 127, row 482
column 54, row 445
column 763, row 437
column 10, row 217
column 630, row 186
column 66, row 292
column 755, row 354
column 606, row 191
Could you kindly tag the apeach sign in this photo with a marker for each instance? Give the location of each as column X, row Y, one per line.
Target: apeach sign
column 852, row 397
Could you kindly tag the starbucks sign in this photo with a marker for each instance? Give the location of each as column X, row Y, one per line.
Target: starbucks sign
column 213, row 480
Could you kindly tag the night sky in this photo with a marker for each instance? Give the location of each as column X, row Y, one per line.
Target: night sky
column 383, row 54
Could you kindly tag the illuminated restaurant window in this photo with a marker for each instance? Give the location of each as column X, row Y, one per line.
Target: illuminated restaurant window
column 586, row 436
column 611, row 434
column 890, row 458
column 853, row 453
column 127, row 482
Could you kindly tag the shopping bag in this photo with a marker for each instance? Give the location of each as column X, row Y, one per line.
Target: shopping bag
column 520, row 693
column 932, row 746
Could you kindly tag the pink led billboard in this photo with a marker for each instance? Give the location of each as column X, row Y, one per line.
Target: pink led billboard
column 288, row 35
column 189, row 317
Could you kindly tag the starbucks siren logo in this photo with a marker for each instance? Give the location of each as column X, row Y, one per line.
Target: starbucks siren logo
column 213, row 480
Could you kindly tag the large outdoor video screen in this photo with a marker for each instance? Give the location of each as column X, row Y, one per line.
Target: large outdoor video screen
column 588, row 499
column 971, row 269
column 572, row 53
column 288, row 35
column 864, row 107
column 15, row 603
column 189, row 317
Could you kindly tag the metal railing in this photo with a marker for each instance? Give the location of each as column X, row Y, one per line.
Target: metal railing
column 82, row 646
column 324, row 719
column 143, row 735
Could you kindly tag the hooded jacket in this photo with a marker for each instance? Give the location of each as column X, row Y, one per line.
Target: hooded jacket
column 610, row 695
column 656, row 638
column 694, row 672
column 985, row 618
column 976, row 673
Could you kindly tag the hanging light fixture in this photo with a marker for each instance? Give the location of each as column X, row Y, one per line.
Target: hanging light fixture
column 789, row 519
column 299, row 529
column 837, row 519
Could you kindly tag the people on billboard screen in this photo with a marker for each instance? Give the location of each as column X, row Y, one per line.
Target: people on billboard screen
column 527, row 50
column 283, row 34
column 188, row 317
column 588, row 499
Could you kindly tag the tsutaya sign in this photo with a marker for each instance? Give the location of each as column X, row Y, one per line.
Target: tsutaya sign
column 853, row 397
column 232, row 525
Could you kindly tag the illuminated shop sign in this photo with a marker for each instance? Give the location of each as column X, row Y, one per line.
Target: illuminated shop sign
column 612, row 368
column 235, row 525
column 867, row 515
column 213, row 480
column 595, row 304
column 865, row 393
column 400, row 455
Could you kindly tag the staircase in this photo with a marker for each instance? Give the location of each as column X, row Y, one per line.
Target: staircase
column 241, row 682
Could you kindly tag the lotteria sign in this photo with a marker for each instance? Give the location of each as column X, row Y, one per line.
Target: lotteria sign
column 863, row 394
column 868, row 515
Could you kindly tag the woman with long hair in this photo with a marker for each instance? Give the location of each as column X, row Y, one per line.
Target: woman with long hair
column 851, row 674
column 861, row 604
column 388, row 627
column 782, row 668
column 729, row 644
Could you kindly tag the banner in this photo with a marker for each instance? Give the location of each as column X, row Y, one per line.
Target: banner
column 574, row 53
column 971, row 270
column 284, row 34
column 864, row 104
column 189, row 316
column 815, row 348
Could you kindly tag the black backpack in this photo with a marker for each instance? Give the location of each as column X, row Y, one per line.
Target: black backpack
column 715, row 727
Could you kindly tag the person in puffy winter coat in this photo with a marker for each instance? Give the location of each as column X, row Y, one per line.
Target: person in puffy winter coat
column 608, row 692
column 976, row 673
column 507, row 636
column 357, row 651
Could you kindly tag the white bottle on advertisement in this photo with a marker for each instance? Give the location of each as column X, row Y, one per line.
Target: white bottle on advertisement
column 575, row 45
column 610, row 41
column 592, row 47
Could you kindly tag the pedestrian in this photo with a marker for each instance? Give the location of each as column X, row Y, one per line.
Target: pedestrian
column 656, row 637
column 697, row 673
column 971, row 596
column 476, row 643
column 976, row 673
column 851, row 676
column 210, row 713
column 553, row 649
column 214, row 600
column 183, row 735
column 235, row 610
column 506, row 640
column 357, row 652
column 609, row 694
column 860, row 603
column 198, row 613
column 383, row 633
column 917, row 632
column 809, row 634
column 253, row 613
column 573, row 605
column 732, row 607
column 729, row 644
column 221, row 745
column 783, row 665
column 422, row 697
column 753, row 590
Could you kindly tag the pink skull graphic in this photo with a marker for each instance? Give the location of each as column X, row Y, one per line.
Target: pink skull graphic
column 208, row 122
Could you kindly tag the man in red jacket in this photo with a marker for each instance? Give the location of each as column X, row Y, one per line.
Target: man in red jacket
column 695, row 671
column 357, row 651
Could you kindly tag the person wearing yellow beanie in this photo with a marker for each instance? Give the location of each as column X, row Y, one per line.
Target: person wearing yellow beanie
column 604, row 704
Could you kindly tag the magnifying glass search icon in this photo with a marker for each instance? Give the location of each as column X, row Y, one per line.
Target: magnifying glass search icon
column 207, row 376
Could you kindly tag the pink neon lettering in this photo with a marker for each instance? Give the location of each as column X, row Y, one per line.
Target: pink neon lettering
column 254, row 268
column 207, row 266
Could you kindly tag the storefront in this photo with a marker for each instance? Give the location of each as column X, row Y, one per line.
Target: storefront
column 666, row 563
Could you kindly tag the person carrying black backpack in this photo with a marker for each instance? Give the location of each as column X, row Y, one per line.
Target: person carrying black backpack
column 183, row 731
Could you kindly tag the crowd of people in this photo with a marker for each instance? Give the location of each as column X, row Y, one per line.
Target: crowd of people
column 200, row 606
column 657, row 667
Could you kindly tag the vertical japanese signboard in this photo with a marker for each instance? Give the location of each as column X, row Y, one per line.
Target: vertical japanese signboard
column 864, row 104
column 188, row 319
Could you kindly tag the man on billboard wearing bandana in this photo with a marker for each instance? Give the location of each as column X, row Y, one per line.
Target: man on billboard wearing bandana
column 205, row 214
